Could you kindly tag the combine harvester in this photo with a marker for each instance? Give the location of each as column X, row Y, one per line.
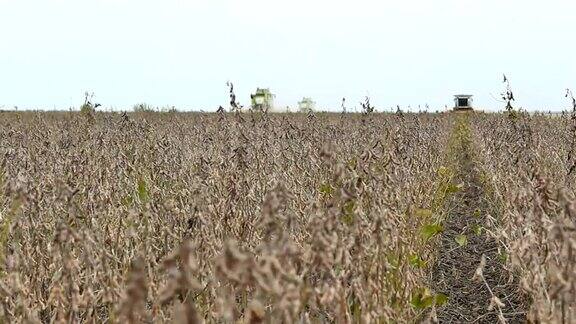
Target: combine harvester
column 463, row 102
column 306, row 105
column 262, row 100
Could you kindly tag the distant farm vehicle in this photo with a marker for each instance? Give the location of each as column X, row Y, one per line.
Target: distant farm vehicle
column 306, row 105
column 462, row 102
column 262, row 100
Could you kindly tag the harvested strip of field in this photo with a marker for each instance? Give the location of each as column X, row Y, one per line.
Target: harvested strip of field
column 469, row 267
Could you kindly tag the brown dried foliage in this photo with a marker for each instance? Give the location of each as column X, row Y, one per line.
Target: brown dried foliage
column 527, row 165
column 209, row 218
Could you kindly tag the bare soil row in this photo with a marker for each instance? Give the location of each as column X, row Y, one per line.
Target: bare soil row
column 469, row 267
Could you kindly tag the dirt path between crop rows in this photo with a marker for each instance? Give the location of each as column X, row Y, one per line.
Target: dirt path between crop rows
column 469, row 298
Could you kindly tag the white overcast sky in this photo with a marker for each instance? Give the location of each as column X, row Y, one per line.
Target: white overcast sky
column 182, row 53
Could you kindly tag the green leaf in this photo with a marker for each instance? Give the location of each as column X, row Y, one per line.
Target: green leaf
column 352, row 163
column 477, row 213
column 349, row 207
column 393, row 260
column 356, row 308
column 461, row 239
column 348, row 213
column 326, row 189
column 477, row 229
column 127, row 201
column 443, row 171
column 422, row 299
column 423, row 213
column 503, row 256
column 441, row 299
column 347, row 219
column 430, row 230
column 142, row 191
column 416, row 261
column 452, row 188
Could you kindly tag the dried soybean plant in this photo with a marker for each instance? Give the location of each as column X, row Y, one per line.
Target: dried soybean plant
column 572, row 99
column 367, row 108
column 234, row 106
column 535, row 201
column 152, row 218
column 508, row 97
column 571, row 159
